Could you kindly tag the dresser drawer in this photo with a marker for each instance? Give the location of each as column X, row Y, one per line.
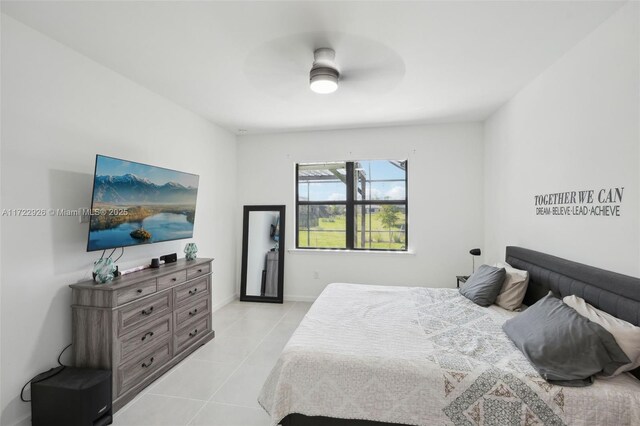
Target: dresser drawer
column 171, row 280
column 137, row 291
column 136, row 370
column 144, row 337
column 190, row 291
column 143, row 312
column 191, row 334
column 192, row 312
column 196, row 271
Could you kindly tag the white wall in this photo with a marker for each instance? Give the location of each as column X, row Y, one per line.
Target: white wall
column 445, row 201
column 58, row 110
column 575, row 127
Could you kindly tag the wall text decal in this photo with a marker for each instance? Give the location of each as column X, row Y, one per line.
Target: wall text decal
column 592, row 202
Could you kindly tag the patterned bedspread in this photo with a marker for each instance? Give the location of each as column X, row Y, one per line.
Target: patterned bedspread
column 424, row 356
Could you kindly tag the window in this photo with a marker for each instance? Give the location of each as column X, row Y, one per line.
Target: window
column 356, row 205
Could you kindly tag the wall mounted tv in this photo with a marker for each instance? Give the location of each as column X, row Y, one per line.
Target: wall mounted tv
column 135, row 203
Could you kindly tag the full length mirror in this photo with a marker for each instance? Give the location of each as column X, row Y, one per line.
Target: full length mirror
column 263, row 254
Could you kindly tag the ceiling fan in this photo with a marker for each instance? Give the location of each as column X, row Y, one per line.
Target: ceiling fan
column 360, row 66
column 324, row 74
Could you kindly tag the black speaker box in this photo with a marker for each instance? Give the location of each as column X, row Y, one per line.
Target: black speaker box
column 169, row 258
column 71, row 397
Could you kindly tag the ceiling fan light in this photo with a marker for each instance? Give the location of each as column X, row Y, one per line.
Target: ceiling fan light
column 324, row 84
column 323, row 80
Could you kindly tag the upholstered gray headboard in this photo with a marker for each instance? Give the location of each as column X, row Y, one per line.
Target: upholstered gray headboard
column 614, row 293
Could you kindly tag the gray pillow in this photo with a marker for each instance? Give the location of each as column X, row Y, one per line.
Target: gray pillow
column 564, row 347
column 483, row 287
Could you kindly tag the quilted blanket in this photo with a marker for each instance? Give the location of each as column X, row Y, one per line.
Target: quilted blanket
column 422, row 356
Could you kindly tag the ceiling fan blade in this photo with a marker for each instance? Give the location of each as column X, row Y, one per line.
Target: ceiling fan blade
column 350, row 74
column 281, row 66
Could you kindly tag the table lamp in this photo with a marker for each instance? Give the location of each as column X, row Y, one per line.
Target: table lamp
column 474, row 252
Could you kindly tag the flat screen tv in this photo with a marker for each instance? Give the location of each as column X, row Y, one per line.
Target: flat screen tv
column 135, row 203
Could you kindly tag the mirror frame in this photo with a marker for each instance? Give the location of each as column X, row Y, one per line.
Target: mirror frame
column 245, row 240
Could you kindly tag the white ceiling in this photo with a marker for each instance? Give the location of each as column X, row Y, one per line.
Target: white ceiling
column 245, row 65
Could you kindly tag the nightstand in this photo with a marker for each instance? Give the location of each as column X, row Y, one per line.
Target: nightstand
column 461, row 279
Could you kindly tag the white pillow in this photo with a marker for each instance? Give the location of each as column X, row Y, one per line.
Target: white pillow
column 626, row 334
column 514, row 287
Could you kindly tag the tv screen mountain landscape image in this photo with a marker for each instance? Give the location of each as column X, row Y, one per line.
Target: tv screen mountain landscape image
column 135, row 203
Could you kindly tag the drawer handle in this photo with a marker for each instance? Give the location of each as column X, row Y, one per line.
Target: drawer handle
column 192, row 292
column 193, row 333
column 199, row 270
column 147, row 334
column 192, row 313
column 145, row 365
column 147, row 311
column 174, row 279
column 139, row 290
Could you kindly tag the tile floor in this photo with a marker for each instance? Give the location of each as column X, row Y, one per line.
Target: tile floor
column 218, row 385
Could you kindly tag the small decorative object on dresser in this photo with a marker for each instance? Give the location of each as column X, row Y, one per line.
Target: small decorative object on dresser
column 169, row 258
column 190, row 251
column 140, row 325
column 103, row 270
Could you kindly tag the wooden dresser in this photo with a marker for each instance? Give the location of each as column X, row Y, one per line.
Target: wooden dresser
column 142, row 324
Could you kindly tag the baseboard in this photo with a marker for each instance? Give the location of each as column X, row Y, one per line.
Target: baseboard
column 223, row 302
column 300, row 298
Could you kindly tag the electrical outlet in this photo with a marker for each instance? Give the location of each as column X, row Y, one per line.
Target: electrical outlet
column 316, row 275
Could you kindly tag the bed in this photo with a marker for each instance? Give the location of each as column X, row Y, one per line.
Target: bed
column 375, row 355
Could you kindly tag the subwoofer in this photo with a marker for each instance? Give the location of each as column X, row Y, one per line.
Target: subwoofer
column 69, row 396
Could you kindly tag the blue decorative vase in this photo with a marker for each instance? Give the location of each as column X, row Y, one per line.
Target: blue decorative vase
column 103, row 270
column 190, row 251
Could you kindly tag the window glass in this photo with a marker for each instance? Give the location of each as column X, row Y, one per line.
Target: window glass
column 380, row 180
column 322, row 226
column 322, row 182
column 380, row 227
